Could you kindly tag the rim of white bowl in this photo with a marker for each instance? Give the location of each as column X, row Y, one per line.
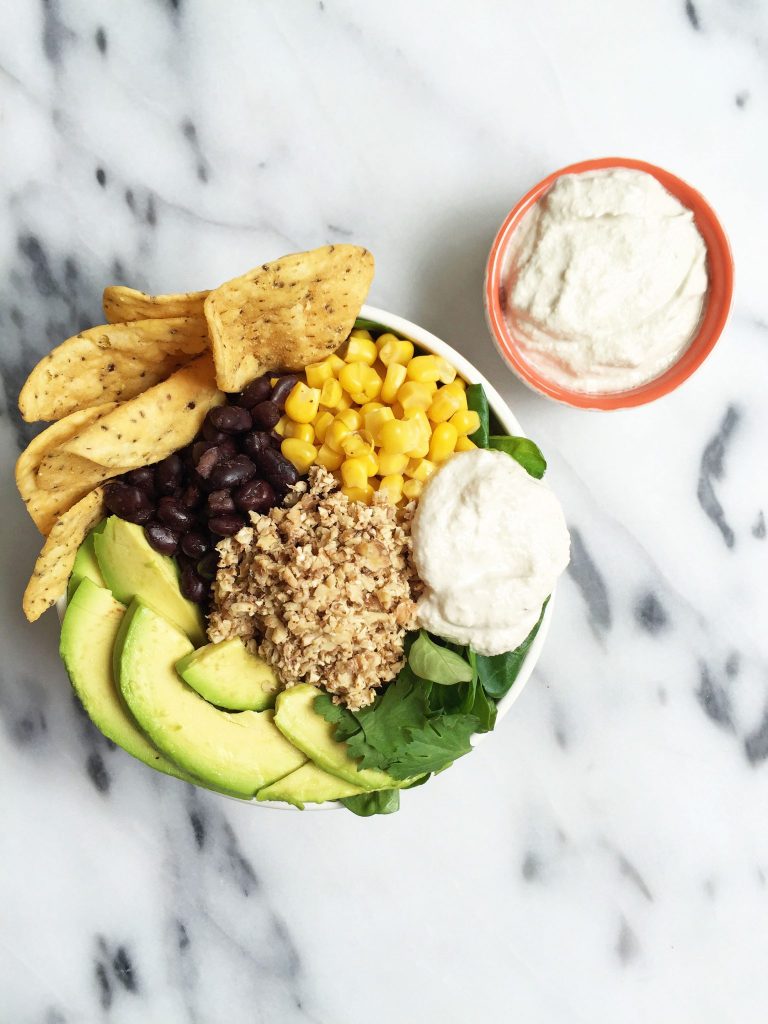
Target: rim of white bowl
column 509, row 421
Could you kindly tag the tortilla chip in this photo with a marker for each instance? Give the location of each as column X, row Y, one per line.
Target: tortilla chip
column 287, row 313
column 45, row 503
column 54, row 564
column 125, row 304
column 151, row 426
column 113, row 362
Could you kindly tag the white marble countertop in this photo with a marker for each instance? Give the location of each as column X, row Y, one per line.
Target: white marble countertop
column 604, row 857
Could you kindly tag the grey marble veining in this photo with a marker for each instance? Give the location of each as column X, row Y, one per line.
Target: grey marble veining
column 604, row 856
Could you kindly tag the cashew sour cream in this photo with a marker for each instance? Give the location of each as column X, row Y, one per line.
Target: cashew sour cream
column 606, row 281
column 489, row 542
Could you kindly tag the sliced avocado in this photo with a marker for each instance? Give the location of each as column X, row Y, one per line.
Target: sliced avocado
column 297, row 720
column 229, row 676
column 308, row 785
column 240, row 752
column 131, row 568
column 85, row 567
column 88, row 633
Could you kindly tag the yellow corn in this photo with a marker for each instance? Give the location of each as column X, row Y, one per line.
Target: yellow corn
column 466, row 421
column 424, row 368
column 444, row 405
column 412, row 489
column 364, row 494
column 300, row 453
column 393, row 380
column 375, row 419
column 420, row 469
column 303, row 431
column 335, row 362
column 443, row 442
column 282, row 425
column 392, row 486
column 398, row 435
column 354, row 444
column 371, row 462
column 328, row 458
column 354, row 473
column 302, row 403
column 330, row 393
column 351, row 417
column 323, row 420
column 360, row 381
column 398, row 410
column 360, row 350
column 391, row 462
column 465, row 445
column 394, row 350
column 318, row 373
column 335, row 434
column 414, row 395
column 424, row 432
column 360, row 332
column 370, row 407
column 345, row 402
column 459, row 383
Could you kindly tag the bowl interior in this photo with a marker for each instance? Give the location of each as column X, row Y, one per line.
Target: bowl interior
column 718, row 302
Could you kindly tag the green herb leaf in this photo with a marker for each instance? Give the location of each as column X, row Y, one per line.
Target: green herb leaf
column 361, row 324
column 386, row 801
column 436, row 746
column 498, row 672
column 346, row 723
column 438, row 664
column 478, row 703
column 522, row 450
column 477, row 401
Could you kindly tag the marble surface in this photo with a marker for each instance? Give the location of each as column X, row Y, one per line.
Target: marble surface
column 603, row 857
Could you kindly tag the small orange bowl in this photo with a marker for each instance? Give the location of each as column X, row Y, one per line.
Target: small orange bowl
column 718, row 300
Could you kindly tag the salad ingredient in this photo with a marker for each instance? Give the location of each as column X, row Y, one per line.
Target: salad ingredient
column 478, row 402
column 133, row 569
column 229, row 676
column 88, row 635
column 85, row 566
column 497, row 673
column 240, row 752
column 123, row 304
column 386, row 801
column 326, row 585
column 113, row 362
column 287, row 313
column 438, row 664
column 607, row 282
column 308, row 785
column 522, row 450
column 54, row 563
column 299, row 722
column 489, row 542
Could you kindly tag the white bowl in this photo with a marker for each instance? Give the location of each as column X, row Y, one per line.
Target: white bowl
column 503, row 413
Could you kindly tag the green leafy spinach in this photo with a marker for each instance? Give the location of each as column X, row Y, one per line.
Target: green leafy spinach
column 498, row 672
column 438, row 664
column 385, row 801
column 522, row 450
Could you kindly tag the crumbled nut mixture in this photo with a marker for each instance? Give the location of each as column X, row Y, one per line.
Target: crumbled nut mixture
column 323, row 590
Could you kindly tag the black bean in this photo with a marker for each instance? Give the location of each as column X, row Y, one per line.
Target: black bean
column 208, row 565
column 144, row 477
column 254, row 441
column 208, row 461
column 129, row 503
column 172, row 513
column 257, row 391
column 195, row 544
column 255, row 496
column 211, row 433
column 225, row 526
column 232, row 419
column 276, row 469
column 236, row 471
column 282, row 389
column 168, row 475
column 199, row 448
column 265, row 415
column 162, row 538
column 275, row 439
column 191, row 496
column 191, row 586
column 220, row 503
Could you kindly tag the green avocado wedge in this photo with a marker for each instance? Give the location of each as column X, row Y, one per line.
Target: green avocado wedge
column 86, row 566
column 241, row 753
column 88, row 633
column 132, row 569
column 308, row 785
column 229, row 676
column 296, row 718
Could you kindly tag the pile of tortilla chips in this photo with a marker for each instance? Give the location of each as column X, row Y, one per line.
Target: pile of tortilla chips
column 136, row 389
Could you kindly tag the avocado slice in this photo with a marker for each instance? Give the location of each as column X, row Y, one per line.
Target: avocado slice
column 297, row 720
column 88, row 632
column 131, row 568
column 240, row 752
column 229, row 676
column 308, row 785
column 85, row 565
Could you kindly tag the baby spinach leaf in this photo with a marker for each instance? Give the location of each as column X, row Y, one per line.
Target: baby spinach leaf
column 477, row 702
column 498, row 672
column 477, row 402
column 361, row 324
column 386, row 801
column 522, row 450
column 437, row 664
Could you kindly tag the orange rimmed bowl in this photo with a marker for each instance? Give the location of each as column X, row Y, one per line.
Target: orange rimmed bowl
column 716, row 310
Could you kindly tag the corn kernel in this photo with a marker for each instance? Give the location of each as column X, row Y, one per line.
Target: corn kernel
column 424, row 368
column 328, row 458
column 395, row 377
column 351, row 417
column 300, row 453
column 361, row 332
column 375, row 419
column 391, row 462
column 460, row 392
column 302, row 403
column 354, row 473
column 335, row 434
column 360, row 381
column 398, row 410
column 398, row 435
column 460, row 383
column 424, row 432
column 465, row 445
column 345, row 402
column 394, row 350
column 364, row 494
column 353, row 445
column 360, row 350
column 370, row 407
column 412, row 489
column 466, row 421
column 371, row 462
column 414, row 395
column 318, row 373
column 335, row 362
column 323, row 420
column 443, row 442
column 384, row 339
column 444, row 405
column 420, row 469
column 303, row 431
column 330, row 393
column 392, row 486
column 282, row 425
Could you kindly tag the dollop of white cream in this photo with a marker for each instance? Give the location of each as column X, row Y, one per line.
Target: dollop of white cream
column 606, row 281
column 489, row 542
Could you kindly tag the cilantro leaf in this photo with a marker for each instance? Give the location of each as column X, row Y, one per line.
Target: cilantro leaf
column 435, row 746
